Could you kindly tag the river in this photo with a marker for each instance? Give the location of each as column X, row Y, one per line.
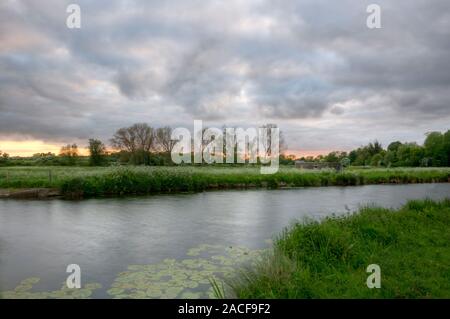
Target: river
column 163, row 245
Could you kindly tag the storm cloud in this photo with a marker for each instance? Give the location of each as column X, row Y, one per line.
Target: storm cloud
column 311, row 66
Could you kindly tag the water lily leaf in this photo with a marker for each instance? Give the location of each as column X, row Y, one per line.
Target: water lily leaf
column 115, row 291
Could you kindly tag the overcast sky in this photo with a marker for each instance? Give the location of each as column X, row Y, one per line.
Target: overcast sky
column 312, row 67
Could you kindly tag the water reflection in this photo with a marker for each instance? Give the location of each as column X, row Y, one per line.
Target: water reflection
column 104, row 236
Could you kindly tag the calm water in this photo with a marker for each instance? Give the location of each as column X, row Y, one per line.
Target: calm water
column 105, row 236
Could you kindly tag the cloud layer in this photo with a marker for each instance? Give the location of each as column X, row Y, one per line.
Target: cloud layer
column 311, row 66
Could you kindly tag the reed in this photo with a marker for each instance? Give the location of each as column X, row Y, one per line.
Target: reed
column 84, row 181
column 328, row 259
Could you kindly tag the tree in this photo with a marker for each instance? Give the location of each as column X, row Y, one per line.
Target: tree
column 345, row 162
column 69, row 154
column 393, row 147
column 138, row 140
column 332, row 157
column 390, row 159
column 267, row 141
column 374, row 148
column 364, row 154
column 447, row 146
column 352, row 156
column 164, row 142
column 45, row 159
column 287, row 159
column 39, row 155
column 3, row 158
column 435, row 148
column 319, row 158
column 377, row 160
column 410, row 154
column 335, row 157
column 97, row 152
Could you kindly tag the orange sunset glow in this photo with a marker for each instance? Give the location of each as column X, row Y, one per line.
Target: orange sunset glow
column 29, row 147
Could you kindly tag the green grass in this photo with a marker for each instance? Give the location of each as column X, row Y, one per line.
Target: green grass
column 98, row 181
column 329, row 259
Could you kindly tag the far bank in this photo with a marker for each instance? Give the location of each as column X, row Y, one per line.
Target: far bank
column 81, row 182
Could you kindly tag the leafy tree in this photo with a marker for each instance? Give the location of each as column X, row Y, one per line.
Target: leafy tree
column 4, row 157
column 447, row 146
column 69, row 154
column 390, row 158
column 319, row 158
column 287, row 159
column 410, row 154
column 46, row 159
column 332, row 157
column 352, row 156
column 435, row 149
column 393, row 147
column 335, row 157
column 374, row 148
column 377, row 160
column 363, row 155
column 97, row 152
column 345, row 162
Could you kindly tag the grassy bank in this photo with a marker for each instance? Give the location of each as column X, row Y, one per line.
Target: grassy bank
column 84, row 181
column 329, row 259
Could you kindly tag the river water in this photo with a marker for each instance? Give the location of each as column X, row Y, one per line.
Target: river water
column 164, row 245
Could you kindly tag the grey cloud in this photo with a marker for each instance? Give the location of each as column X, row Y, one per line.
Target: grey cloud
column 295, row 60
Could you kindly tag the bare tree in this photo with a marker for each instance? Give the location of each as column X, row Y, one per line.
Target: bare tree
column 267, row 142
column 138, row 140
column 164, row 140
column 138, row 137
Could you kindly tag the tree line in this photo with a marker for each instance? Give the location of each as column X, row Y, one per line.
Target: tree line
column 138, row 144
column 141, row 144
column 435, row 152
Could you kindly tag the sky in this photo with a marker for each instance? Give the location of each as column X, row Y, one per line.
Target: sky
column 312, row 67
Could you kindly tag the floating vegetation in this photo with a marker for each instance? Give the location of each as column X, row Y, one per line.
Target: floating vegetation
column 188, row 278
column 24, row 291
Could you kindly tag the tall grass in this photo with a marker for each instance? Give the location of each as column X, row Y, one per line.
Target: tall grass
column 84, row 181
column 329, row 259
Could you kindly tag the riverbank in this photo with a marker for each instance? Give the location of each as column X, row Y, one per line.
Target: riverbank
column 78, row 182
column 30, row 193
column 329, row 259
